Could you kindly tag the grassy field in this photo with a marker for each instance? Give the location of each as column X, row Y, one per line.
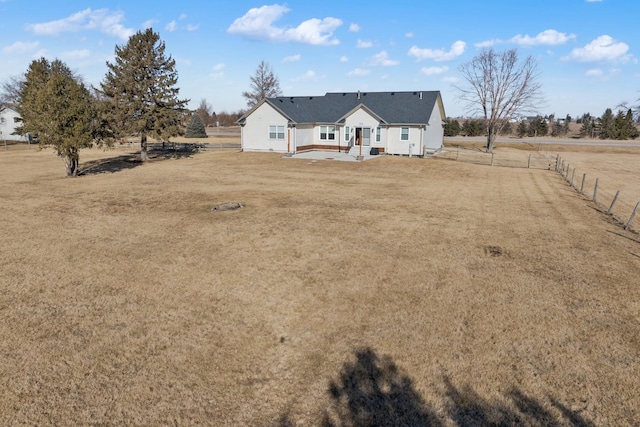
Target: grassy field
column 395, row 291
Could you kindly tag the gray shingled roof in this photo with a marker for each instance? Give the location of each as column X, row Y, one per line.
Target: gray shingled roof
column 391, row 107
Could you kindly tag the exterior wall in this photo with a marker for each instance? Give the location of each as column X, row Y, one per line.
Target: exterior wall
column 8, row 125
column 255, row 132
column 304, row 137
column 433, row 136
column 362, row 119
column 411, row 147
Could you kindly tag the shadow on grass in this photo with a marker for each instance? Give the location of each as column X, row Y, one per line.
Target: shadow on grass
column 130, row 161
column 373, row 391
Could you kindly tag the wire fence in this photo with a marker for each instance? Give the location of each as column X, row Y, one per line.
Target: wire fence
column 606, row 199
column 511, row 159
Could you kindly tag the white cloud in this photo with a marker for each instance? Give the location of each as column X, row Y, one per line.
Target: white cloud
column 593, row 1
column 192, row 27
column 292, row 58
column 148, row 23
column 343, row 58
column 603, row 48
column 382, row 59
column 104, row 20
column 363, row 44
column 76, row 54
column 310, row 75
column 183, row 16
column 594, row 72
column 217, row 73
column 359, row 72
column 20, row 47
column 547, row 37
column 438, row 55
column 450, row 79
column 171, row 26
column 354, row 28
column 488, row 43
column 432, row 71
column 409, row 35
column 257, row 23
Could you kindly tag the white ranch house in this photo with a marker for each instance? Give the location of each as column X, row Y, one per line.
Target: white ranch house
column 404, row 123
column 9, row 121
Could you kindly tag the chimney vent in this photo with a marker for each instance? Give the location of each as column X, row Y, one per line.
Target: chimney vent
column 358, row 94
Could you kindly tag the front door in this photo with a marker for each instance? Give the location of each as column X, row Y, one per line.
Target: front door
column 363, row 135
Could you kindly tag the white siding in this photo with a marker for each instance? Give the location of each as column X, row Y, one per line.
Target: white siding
column 360, row 118
column 433, row 135
column 413, row 146
column 255, row 132
column 8, row 125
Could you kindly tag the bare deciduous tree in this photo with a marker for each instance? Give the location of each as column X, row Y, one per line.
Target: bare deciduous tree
column 205, row 110
column 10, row 89
column 498, row 87
column 264, row 84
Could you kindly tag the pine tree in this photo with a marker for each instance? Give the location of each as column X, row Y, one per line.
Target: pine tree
column 451, row 127
column 140, row 91
column 58, row 109
column 196, row 128
column 521, row 130
column 607, row 125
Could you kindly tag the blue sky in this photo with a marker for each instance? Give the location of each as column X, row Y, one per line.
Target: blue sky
column 587, row 50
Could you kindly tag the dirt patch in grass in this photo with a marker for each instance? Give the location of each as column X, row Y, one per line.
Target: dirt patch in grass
column 393, row 291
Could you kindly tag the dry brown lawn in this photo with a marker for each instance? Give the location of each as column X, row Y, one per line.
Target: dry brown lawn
column 395, row 291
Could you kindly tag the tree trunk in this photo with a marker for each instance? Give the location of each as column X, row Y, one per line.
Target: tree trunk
column 71, row 166
column 144, row 156
column 491, row 137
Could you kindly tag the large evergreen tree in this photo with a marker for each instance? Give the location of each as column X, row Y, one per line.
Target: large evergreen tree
column 140, row 91
column 607, row 125
column 59, row 109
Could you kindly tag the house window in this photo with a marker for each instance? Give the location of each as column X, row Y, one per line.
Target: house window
column 404, row 134
column 347, row 136
column 327, row 133
column 378, row 134
column 276, row 132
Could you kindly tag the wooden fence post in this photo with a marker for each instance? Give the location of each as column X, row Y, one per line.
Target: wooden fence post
column 529, row 162
column 595, row 192
column 584, row 176
column 492, row 154
column 633, row 214
column 458, row 153
column 573, row 175
column 613, row 202
column 566, row 178
column 557, row 160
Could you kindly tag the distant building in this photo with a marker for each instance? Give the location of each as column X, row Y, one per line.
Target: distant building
column 9, row 121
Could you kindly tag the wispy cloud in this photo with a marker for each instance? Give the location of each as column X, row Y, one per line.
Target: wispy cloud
column 432, row 71
column 217, row 71
column 595, row 72
column 258, row 23
column 104, row 20
column 363, row 44
column 438, row 55
column 409, row 35
column 171, row 26
column 359, row 72
column 546, row 37
column 310, row 75
column 344, row 58
column 148, row 23
column 18, row 48
column 76, row 54
column 382, row 59
column 601, row 49
column 354, row 28
column 292, row 58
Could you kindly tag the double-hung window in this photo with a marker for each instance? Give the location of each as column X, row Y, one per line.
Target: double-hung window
column 378, row 134
column 404, row 134
column 276, row 132
column 327, row 133
column 347, row 134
